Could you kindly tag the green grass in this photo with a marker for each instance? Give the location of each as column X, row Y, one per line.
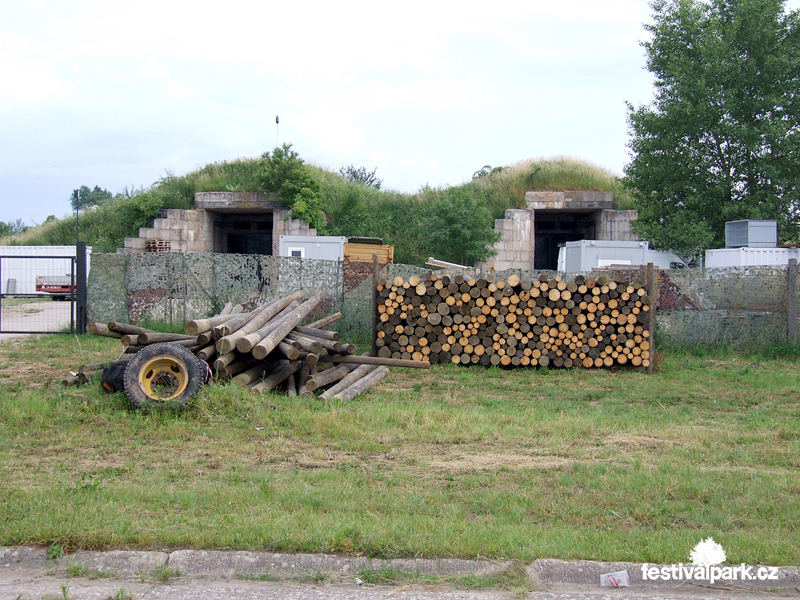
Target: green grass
column 453, row 461
column 513, row 578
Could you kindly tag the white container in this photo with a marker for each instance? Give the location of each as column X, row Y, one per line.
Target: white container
column 586, row 255
column 321, row 247
column 750, row 257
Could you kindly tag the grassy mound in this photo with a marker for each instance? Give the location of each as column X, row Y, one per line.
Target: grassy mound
column 351, row 209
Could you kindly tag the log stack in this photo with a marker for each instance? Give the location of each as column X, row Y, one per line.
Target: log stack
column 264, row 349
column 546, row 322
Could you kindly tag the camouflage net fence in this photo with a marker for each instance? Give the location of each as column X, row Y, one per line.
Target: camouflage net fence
column 743, row 306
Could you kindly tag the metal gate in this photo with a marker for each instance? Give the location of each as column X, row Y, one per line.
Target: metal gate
column 43, row 293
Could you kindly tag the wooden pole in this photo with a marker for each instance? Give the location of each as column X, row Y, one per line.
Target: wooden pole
column 127, row 329
column 208, row 353
column 198, row 326
column 268, row 344
column 284, row 369
column 345, row 383
column 325, row 334
column 103, row 330
column 246, row 343
column 374, row 332
column 362, row 385
column 652, row 290
column 325, row 321
column 250, row 375
column 374, row 360
column 327, row 377
column 270, row 310
column 791, row 302
column 155, row 338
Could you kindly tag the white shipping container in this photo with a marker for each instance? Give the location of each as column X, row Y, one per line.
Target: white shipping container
column 750, row 257
column 321, row 247
column 586, row 255
column 21, row 273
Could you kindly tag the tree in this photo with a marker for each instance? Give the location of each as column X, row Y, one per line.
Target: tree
column 487, row 171
column 88, row 197
column 460, row 228
column 12, row 228
column 721, row 140
column 284, row 172
column 361, row 176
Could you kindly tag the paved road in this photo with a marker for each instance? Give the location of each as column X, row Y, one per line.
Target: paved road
column 44, row 587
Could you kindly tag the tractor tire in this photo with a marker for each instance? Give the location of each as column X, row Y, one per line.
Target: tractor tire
column 164, row 376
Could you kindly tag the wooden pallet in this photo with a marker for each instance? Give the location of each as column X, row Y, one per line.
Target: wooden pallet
column 157, row 246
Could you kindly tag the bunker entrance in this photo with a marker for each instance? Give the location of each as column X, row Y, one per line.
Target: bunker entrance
column 554, row 227
column 243, row 233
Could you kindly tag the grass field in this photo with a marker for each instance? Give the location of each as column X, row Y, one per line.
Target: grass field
column 453, row 461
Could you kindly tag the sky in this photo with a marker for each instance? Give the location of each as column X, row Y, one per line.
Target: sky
column 118, row 94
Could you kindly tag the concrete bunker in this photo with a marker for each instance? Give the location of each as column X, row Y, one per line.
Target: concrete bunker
column 531, row 236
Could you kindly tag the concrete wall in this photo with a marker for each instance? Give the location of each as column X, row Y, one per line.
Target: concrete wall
column 615, row 225
column 515, row 248
column 569, row 200
column 236, row 201
column 281, row 225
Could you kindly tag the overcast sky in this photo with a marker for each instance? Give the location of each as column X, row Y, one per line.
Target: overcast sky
column 116, row 94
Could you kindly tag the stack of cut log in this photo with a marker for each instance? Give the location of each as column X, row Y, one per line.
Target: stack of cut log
column 263, row 349
column 546, row 322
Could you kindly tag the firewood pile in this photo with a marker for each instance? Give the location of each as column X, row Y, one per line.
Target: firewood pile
column 546, row 322
column 263, row 349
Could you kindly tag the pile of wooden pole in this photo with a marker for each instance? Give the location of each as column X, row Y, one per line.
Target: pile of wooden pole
column 265, row 348
column 546, row 322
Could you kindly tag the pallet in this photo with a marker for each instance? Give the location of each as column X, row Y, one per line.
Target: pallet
column 157, row 246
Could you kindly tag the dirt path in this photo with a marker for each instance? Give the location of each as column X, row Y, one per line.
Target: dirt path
column 33, row 315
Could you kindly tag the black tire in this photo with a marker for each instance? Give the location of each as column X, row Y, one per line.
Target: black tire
column 163, row 376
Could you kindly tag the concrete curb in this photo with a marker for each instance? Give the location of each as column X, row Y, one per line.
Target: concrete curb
column 238, row 564
column 286, row 566
column 230, row 564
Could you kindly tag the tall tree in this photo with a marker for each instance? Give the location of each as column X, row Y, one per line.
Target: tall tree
column 89, row 197
column 361, row 176
column 284, row 172
column 721, row 139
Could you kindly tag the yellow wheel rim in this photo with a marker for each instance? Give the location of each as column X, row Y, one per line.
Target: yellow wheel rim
column 163, row 378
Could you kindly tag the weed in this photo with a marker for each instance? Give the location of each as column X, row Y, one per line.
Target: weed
column 122, row 594
column 262, row 577
column 88, row 482
column 81, row 570
column 55, row 551
column 77, row 570
column 163, row 573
